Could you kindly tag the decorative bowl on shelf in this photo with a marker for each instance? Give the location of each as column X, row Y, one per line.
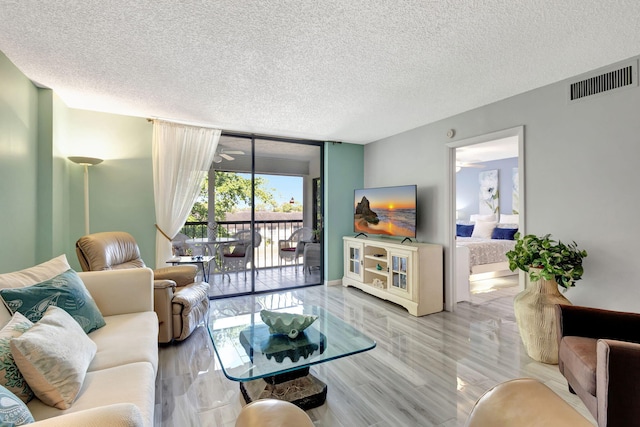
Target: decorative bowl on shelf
column 289, row 324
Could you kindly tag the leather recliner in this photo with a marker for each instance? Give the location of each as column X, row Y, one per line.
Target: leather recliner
column 180, row 302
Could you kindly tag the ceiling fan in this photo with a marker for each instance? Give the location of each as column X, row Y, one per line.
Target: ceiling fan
column 224, row 153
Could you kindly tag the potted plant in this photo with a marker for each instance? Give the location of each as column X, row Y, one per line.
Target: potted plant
column 548, row 259
column 317, row 233
column 547, row 264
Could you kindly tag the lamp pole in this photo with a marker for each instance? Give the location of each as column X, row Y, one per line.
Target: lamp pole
column 86, row 162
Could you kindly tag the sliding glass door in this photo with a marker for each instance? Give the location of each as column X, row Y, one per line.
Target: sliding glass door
column 261, row 192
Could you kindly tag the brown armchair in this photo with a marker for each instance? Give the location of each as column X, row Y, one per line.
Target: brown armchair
column 180, row 302
column 599, row 355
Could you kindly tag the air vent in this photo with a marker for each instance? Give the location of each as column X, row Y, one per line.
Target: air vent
column 620, row 78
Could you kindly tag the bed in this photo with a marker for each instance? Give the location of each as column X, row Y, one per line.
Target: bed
column 479, row 258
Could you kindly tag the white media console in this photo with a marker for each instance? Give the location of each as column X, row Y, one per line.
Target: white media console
column 408, row 274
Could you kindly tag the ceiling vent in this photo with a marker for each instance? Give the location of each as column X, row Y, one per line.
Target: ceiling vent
column 624, row 77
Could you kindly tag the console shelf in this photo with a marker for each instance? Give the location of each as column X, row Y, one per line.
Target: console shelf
column 408, row 274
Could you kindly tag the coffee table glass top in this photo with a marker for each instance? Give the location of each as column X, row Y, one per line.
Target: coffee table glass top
column 247, row 351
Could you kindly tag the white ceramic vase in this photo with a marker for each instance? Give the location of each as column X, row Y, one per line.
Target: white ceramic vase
column 536, row 318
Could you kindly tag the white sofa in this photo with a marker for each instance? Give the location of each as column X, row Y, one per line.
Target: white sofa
column 119, row 387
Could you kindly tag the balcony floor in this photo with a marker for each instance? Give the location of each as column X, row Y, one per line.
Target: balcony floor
column 267, row 279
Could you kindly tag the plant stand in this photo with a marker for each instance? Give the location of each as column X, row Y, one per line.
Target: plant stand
column 534, row 309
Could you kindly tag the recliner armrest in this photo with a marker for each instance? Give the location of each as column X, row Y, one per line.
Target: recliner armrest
column 190, row 296
column 618, row 364
column 181, row 274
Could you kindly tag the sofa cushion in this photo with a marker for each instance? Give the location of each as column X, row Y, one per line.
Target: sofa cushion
column 13, row 411
column 10, row 375
column 126, row 339
column 53, row 355
column 579, row 357
column 36, row 274
column 31, row 276
column 132, row 383
column 65, row 290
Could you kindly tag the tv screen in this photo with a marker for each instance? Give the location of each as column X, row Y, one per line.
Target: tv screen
column 386, row 210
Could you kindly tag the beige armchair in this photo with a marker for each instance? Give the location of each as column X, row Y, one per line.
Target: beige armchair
column 180, row 302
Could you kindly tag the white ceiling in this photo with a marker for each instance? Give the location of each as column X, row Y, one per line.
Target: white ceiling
column 498, row 149
column 342, row 70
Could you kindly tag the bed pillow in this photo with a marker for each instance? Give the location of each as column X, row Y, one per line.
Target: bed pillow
column 13, row 411
column 483, row 229
column 463, row 230
column 54, row 356
column 65, row 291
column 10, row 376
column 504, row 233
column 509, row 219
column 486, row 217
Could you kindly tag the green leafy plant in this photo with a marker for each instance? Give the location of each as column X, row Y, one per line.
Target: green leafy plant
column 542, row 257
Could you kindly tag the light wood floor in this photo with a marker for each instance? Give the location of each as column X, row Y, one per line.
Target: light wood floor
column 425, row 371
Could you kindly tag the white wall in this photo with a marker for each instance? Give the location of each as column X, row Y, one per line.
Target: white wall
column 582, row 171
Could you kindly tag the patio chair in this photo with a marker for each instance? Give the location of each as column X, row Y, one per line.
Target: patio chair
column 291, row 249
column 235, row 256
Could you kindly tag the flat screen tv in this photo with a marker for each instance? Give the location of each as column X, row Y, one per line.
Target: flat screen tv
column 390, row 211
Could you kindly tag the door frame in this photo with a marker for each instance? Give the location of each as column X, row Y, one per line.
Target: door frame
column 450, row 293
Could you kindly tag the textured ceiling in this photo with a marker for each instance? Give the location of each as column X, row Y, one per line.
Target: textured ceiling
column 346, row 70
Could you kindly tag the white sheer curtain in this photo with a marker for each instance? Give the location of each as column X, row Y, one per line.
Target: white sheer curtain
column 182, row 156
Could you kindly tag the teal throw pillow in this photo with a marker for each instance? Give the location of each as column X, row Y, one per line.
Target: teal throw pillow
column 10, row 375
column 13, row 411
column 65, row 291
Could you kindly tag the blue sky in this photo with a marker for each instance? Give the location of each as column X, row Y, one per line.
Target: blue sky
column 285, row 187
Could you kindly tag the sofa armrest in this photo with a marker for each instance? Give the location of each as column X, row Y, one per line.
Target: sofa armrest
column 618, row 365
column 120, row 291
column 115, row 415
column 597, row 323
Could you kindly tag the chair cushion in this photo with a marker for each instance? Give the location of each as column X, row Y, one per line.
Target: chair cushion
column 234, row 255
column 288, row 249
column 579, row 356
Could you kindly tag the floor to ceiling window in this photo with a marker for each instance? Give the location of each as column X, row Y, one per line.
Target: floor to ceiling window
column 259, row 193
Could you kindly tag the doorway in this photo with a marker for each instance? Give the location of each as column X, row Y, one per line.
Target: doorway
column 265, row 188
column 477, row 154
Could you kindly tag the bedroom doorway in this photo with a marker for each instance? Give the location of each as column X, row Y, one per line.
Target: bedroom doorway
column 486, row 199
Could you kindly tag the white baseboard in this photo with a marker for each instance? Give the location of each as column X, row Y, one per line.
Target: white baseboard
column 333, row 282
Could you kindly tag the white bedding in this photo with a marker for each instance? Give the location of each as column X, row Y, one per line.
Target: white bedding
column 485, row 251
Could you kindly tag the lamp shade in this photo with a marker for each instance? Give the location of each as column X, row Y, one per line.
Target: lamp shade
column 88, row 161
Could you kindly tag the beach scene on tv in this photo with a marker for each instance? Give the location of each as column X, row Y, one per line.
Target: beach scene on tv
column 389, row 210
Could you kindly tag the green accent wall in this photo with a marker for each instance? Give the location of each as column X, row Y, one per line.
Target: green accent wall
column 121, row 187
column 343, row 173
column 42, row 192
column 18, row 168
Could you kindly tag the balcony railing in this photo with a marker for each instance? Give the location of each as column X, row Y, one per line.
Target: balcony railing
column 271, row 231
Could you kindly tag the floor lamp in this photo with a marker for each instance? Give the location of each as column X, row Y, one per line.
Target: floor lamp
column 86, row 162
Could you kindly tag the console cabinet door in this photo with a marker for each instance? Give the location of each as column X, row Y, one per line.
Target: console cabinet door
column 354, row 260
column 400, row 280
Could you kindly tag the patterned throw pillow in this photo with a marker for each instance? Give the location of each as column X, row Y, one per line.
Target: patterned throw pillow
column 10, row 376
column 13, row 412
column 54, row 356
column 65, row 291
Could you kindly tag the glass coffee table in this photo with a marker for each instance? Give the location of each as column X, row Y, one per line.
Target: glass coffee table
column 276, row 366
